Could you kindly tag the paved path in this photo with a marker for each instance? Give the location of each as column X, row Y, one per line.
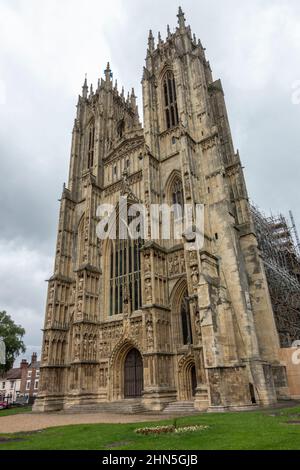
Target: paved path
column 35, row 422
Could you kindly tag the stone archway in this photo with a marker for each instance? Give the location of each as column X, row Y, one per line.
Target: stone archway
column 119, row 359
column 187, row 379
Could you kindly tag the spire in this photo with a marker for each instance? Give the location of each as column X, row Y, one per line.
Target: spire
column 85, row 88
column 181, row 18
column 151, row 41
column 108, row 73
column 159, row 38
column 168, row 31
column 133, row 99
column 200, row 45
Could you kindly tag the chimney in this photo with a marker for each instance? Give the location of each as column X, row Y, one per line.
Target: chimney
column 24, row 364
column 34, row 358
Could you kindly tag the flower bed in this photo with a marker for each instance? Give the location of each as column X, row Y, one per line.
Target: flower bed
column 170, row 429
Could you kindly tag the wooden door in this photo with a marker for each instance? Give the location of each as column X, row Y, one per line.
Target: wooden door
column 133, row 375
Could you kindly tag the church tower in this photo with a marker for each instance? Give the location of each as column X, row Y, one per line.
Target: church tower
column 154, row 323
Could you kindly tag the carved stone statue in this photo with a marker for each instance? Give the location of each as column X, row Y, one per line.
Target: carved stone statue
column 147, row 263
column 77, row 346
column 148, row 290
column 150, row 334
column 195, row 279
column 176, row 265
column 80, row 285
column 85, row 347
column 46, row 351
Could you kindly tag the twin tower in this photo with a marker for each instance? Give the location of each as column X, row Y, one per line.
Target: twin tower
column 154, row 325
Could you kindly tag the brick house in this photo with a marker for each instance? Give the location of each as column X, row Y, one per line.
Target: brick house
column 30, row 379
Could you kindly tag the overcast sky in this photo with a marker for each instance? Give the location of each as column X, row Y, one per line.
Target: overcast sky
column 47, row 46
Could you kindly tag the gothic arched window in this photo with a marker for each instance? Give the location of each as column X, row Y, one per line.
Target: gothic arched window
column 186, row 323
column 91, row 145
column 178, row 201
column 170, row 98
column 177, row 193
column 125, row 276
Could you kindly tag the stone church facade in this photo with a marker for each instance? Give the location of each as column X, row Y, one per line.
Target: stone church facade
column 153, row 322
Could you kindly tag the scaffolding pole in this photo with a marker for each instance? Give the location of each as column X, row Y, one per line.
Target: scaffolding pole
column 281, row 257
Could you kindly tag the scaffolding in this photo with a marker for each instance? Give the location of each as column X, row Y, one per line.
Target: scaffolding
column 280, row 249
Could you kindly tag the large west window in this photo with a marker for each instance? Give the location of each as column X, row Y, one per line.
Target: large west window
column 125, row 276
column 170, row 99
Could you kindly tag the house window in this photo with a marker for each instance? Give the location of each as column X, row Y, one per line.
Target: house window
column 12, row 384
column 186, row 323
column 3, row 385
column 37, row 373
column 170, row 100
column 125, row 275
column 29, row 374
column 91, row 145
column 28, row 385
column 36, row 384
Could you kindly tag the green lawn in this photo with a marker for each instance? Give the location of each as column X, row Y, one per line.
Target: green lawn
column 259, row 430
column 15, row 411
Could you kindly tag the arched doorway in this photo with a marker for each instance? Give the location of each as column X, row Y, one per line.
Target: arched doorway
column 194, row 381
column 133, row 375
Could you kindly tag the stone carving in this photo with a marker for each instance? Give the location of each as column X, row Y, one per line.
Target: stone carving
column 49, row 315
column 77, row 344
column 73, row 294
column 103, row 349
column 195, row 279
column 209, row 143
column 46, row 350
column 80, row 285
column 182, row 263
column 197, row 321
column 187, row 185
column 126, row 298
column 136, row 329
column 193, row 258
column 176, row 264
column 150, row 334
column 85, row 347
column 148, row 290
column 94, row 350
column 147, row 264
column 51, row 294
column 80, row 308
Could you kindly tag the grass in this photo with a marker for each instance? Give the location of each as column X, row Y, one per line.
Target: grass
column 261, row 430
column 15, row 411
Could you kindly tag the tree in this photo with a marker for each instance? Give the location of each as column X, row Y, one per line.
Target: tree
column 12, row 335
